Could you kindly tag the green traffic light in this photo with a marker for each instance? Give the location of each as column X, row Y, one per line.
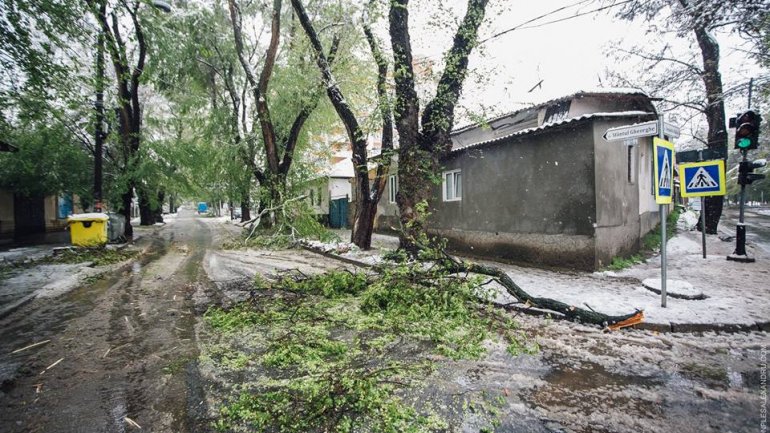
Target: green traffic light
column 744, row 143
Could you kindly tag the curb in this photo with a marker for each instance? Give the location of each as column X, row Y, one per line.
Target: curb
column 5, row 312
column 676, row 328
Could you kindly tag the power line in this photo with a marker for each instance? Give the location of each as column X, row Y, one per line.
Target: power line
column 577, row 15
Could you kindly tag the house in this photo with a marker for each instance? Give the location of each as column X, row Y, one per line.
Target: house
column 329, row 194
column 22, row 216
column 542, row 185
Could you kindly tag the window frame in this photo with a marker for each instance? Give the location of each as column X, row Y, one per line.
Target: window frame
column 631, row 160
column 455, row 174
column 392, row 188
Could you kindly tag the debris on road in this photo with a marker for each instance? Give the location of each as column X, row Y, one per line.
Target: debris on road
column 31, row 346
column 52, row 365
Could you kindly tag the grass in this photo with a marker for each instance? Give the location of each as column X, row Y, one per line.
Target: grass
column 650, row 243
column 99, row 256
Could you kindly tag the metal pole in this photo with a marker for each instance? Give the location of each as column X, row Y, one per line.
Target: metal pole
column 703, row 224
column 740, row 230
column 99, row 118
column 662, row 233
column 739, row 255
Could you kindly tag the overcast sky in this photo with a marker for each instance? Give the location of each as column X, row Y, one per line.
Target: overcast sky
column 567, row 56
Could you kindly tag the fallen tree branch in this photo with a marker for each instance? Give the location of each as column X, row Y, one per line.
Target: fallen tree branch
column 256, row 220
column 570, row 312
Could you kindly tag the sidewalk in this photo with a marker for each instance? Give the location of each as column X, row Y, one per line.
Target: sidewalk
column 736, row 293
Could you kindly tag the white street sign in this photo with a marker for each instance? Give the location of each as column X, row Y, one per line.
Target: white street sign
column 637, row 130
column 670, row 130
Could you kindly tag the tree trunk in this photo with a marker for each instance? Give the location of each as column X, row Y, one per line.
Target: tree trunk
column 715, row 111
column 363, row 224
column 245, row 208
column 126, row 199
column 146, row 217
column 420, row 152
column 366, row 202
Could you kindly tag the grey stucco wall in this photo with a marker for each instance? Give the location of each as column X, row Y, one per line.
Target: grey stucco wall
column 525, row 199
column 387, row 213
column 619, row 223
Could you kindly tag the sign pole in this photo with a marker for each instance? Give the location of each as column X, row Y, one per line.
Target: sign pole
column 703, row 224
column 662, row 236
column 702, row 179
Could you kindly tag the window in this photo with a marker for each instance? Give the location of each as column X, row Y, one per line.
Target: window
column 630, row 160
column 453, row 185
column 392, row 188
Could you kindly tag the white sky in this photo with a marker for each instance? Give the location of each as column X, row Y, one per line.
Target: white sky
column 568, row 56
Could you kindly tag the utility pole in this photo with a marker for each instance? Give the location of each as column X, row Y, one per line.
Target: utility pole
column 99, row 134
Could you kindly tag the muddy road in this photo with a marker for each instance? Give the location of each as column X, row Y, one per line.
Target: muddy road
column 131, row 353
column 121, row 353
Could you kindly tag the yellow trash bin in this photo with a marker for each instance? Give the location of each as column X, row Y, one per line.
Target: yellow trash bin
column 88, row 229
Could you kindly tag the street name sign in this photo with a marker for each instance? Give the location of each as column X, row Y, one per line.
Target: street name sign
column 637, row 130
column 703, row 179
column 698, row 155
column 663, row 155
column 670, row 130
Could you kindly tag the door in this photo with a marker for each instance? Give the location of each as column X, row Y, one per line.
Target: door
column 28, row 215
column 338, row 213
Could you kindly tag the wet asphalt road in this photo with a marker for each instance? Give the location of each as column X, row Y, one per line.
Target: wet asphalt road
column 122, row 349
column 757, row 226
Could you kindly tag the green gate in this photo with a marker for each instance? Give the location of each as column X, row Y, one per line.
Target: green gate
column 338, row 213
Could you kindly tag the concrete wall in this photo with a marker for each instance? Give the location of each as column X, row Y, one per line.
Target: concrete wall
column 320, row 206
column 525, row 199
column 620, row 199
column 7, row 224
column 339, row 187
column 387, row 212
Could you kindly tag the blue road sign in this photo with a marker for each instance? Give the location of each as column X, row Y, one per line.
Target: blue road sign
column 701, row 179
column 663, row 154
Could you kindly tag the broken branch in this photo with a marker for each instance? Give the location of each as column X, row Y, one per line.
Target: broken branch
column 31, row 346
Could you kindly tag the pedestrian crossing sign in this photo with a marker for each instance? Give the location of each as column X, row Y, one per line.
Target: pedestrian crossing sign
column 663, row 155
column 701, row 179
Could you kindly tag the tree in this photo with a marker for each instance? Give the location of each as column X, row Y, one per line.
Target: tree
column 279, row 144
column 50, row 160
column 128, row 72
column 698, row 88
column 41, row 99
column 367, row 196
column 424, row 139
column 197, row 72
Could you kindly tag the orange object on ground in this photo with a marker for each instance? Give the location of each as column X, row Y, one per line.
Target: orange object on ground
column 631, row 321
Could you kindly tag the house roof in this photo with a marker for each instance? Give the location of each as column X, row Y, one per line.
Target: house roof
column 342, row 169
column 612, row 91
column 458, row 147
column 7, row 147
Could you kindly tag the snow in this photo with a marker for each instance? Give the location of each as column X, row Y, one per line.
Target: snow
column 674, row 288
column 343, row 168
column 736, row 292
column 551, row 124
column 94, row 216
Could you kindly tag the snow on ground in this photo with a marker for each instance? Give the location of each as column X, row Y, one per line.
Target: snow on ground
column 737, row 293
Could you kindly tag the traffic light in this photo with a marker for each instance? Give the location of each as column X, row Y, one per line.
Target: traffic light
column 745, row 169
column 746, row 130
